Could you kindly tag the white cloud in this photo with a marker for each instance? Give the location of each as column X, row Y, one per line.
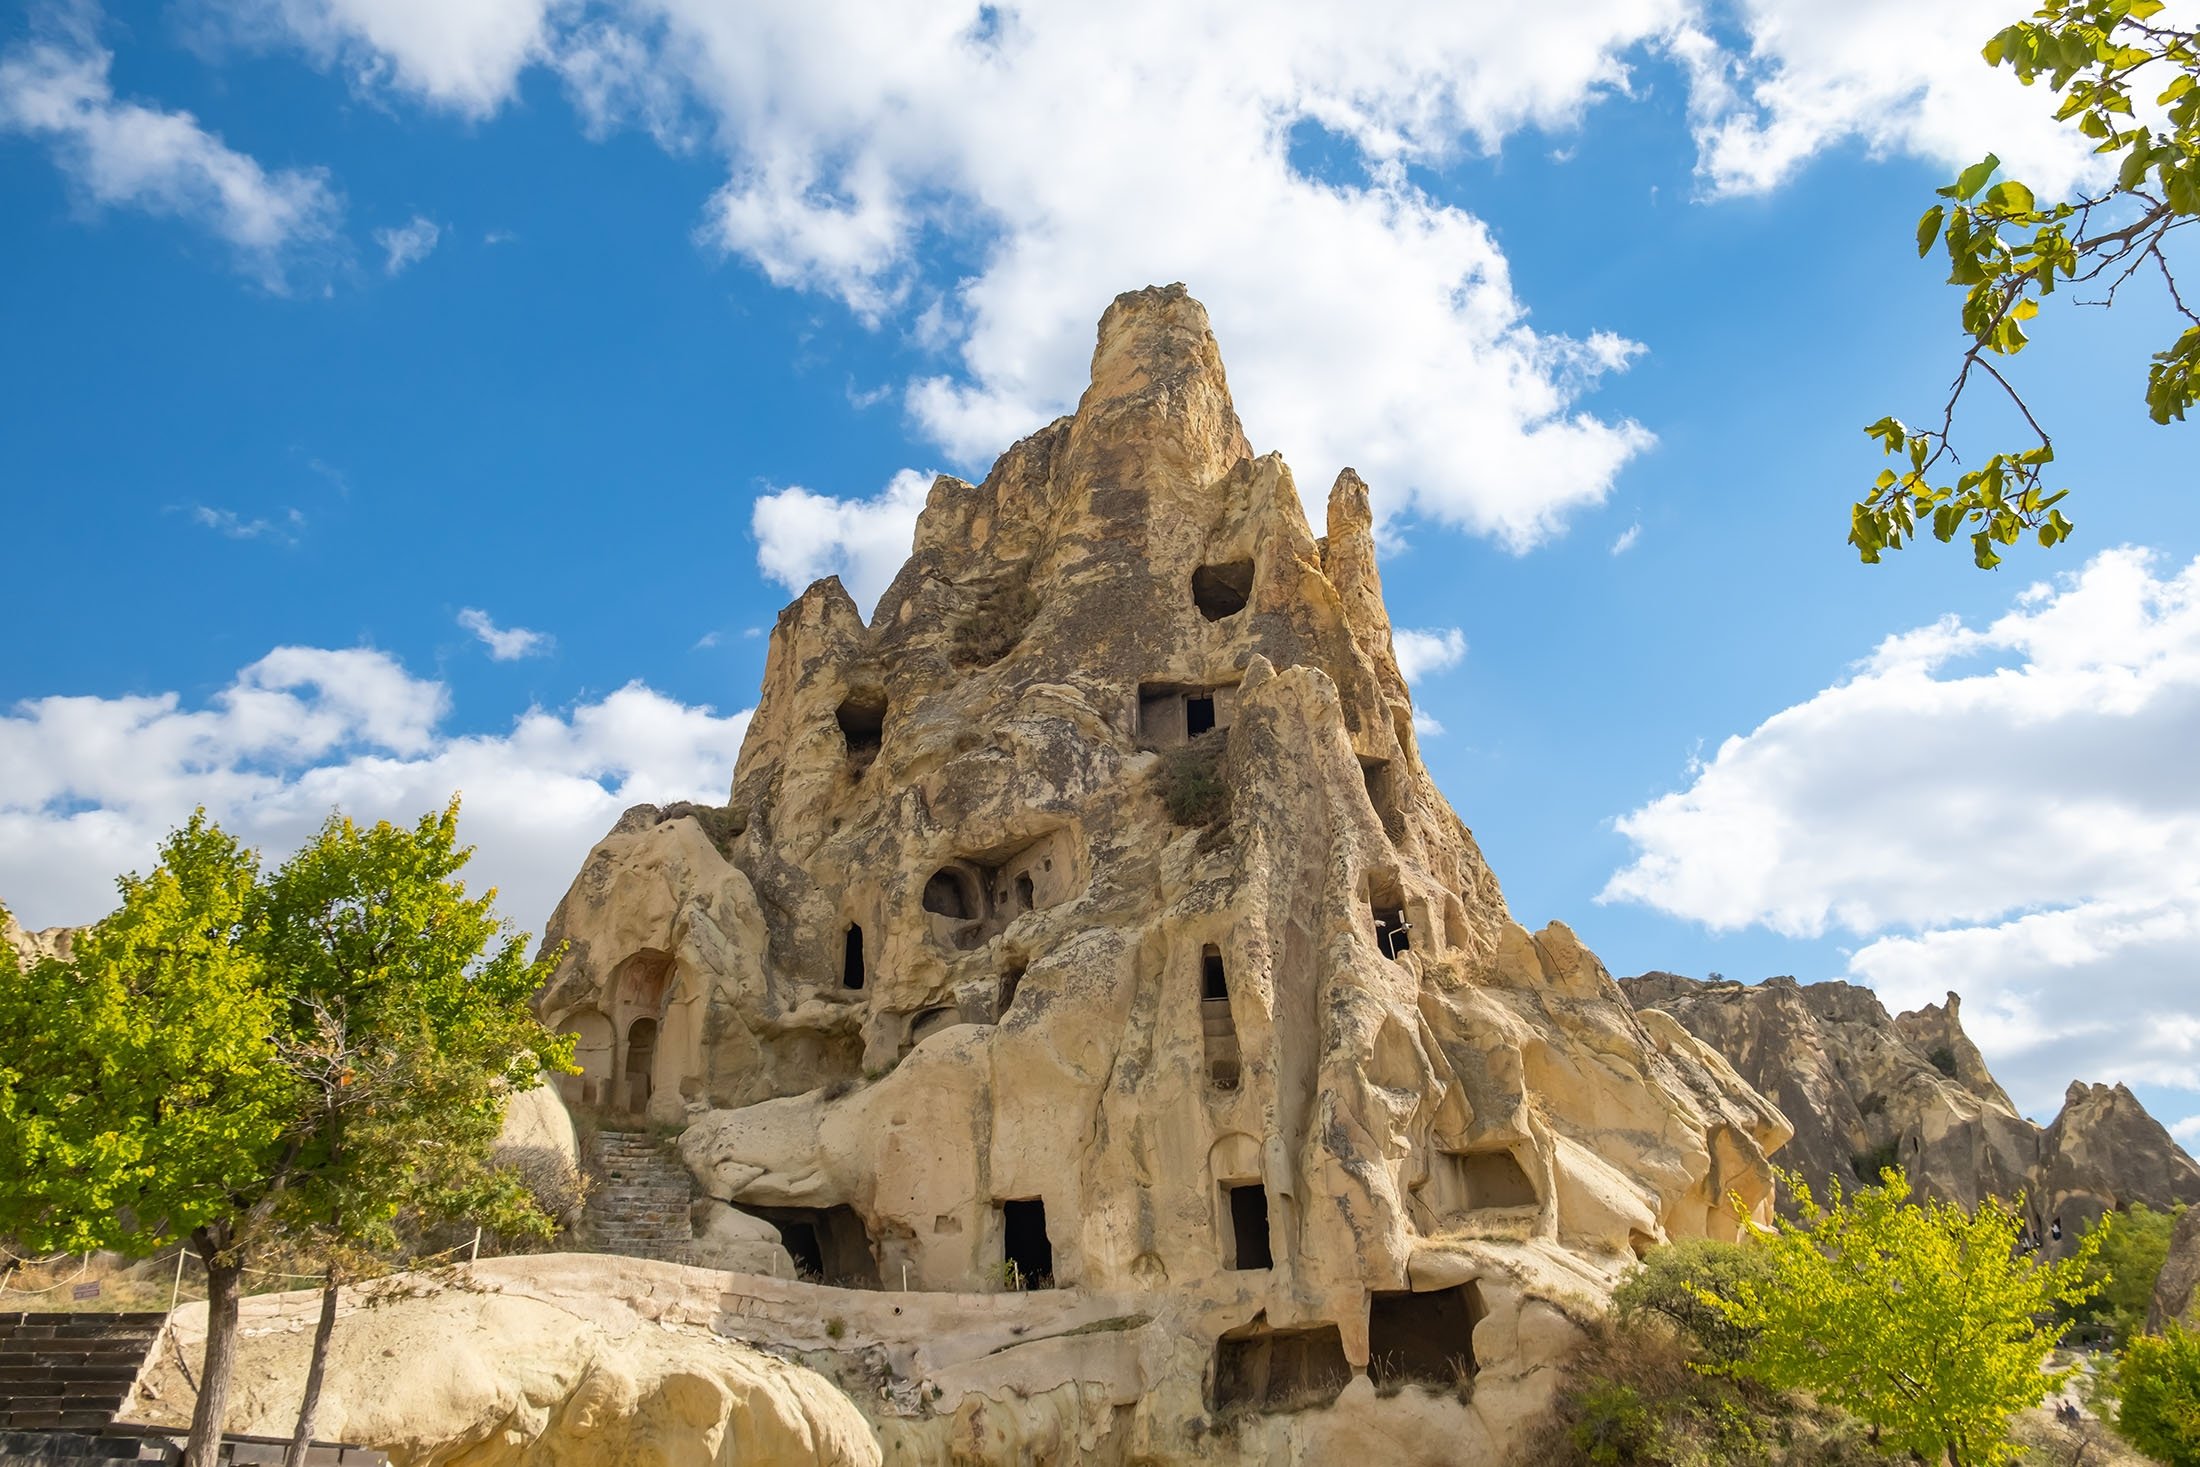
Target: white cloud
column 1426, row 726
column 464, row 56
column 1895, row 76
column 408, row 244
column 234, row 526
column 1366, row 321
column 2006, row 811
column 505, row 644
column 1627, row 538
column 1427, row 651
column 802, row 537
column 119, row 154
column 2187, row 1129
column 94, row 783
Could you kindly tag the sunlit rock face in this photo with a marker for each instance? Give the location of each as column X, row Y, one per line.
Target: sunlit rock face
column 1088, row 920
column 1865, row 1090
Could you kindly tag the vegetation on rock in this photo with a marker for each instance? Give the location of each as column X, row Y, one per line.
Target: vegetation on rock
column 2130, row 1248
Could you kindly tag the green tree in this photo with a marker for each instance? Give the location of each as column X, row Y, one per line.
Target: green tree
column 409, row 1028
column 2131, row 1248
column 1922, row 1321
column 2158, row 1389
column 2010, row 250
column 317, row 1058
column 142, row 1102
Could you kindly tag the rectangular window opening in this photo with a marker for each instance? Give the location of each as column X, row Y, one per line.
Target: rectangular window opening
column 1213, row 982
column 1025, row 1247
column 1249, row 1226
column 1199, row 715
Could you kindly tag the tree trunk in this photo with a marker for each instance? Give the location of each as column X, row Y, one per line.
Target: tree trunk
column 302, row 1438
column 223, row 1276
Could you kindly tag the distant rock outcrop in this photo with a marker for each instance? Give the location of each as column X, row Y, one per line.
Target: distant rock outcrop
column 2177, row 1287
column 1864, row 1090
column 50, row 942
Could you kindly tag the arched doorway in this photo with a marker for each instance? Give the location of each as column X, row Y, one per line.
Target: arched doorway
column 641, row 1060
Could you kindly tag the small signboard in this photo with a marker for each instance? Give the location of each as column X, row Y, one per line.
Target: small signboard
column 86, row 1291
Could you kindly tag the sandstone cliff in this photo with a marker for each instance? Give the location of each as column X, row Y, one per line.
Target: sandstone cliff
column 31, row 947
column 1086, row 927
column 1864, row 1090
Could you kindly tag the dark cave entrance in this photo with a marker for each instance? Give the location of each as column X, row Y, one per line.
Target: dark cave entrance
column 1024, row 1242
column 1280, row 1369
column 1249, row 1226
column 851, row 959
column 1423, row 1337
column 829, row 1245
column 1222, row 590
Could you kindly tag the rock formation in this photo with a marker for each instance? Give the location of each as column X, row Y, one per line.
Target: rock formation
column 1084, row 941
column 2177, row 1286
column 58, row 943
column 596, row 1361
column 1864, row 1090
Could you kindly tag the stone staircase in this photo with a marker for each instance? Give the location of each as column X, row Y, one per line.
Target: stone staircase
column 640, row 1204
column 70, row 1371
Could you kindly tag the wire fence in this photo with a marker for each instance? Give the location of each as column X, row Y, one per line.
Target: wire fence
column 108, row 1283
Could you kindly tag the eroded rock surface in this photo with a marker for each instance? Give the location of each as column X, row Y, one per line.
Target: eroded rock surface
column 1865, row 1090
column 1087, row 922
column 567, row 1360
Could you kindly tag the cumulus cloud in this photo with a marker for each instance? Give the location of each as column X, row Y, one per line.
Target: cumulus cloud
column 1367, row 320
column 463, row 56
column 505, row 644
column 1426, row 651
column 94, row 783
column 2007, row 811
column 407, row 244
column 802, row 537
column 1892, row 76
column 121, row 154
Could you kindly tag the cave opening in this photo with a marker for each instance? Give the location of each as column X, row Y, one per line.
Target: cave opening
column 1213, row 982
column 851, row 959
column 1025, row 1246
column 1423, row 1337
column 862, row 719
column 1249, row 1226
column 1280, row 1369
column 952, row 894
column 829, row 1245
column 1221, row 591
column 1199, row 714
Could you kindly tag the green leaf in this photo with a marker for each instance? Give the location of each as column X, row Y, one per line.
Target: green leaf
column 2010, row 197
column 1928, row 226
column 1973, row 178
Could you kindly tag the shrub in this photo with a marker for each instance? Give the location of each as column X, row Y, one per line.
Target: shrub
column 1192, row 785
column 1670, row 1284
column 1943, row 1059
column 994, row 625
column 1871, row 1165
column 1636, row 1395
column 2158, row 1379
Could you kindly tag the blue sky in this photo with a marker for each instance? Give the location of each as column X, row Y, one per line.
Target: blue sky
column 383, row 334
